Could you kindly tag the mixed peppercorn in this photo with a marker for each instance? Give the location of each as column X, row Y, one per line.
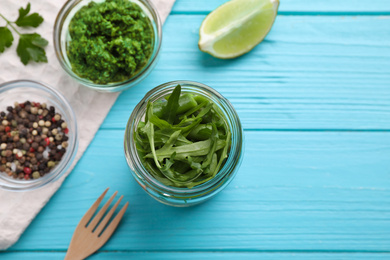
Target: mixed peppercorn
column 33, row 139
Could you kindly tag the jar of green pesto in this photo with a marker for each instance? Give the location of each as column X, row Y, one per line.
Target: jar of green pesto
column 197, row 144
column 108, row 45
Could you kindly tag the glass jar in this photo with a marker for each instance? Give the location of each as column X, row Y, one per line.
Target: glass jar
column 33, row 91
column 62, row 37
column 182, row 197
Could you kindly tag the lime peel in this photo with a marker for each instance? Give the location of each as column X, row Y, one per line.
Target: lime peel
column 251, row 26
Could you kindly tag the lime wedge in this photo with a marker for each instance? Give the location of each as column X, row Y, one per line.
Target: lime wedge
column 236, row 27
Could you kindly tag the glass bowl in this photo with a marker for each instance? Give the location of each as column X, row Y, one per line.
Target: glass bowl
column 28, row 90
column 62, row 37
column 182, row 197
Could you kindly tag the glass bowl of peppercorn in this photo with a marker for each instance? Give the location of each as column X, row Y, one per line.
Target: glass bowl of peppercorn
column 38, row 135
column 108, row 45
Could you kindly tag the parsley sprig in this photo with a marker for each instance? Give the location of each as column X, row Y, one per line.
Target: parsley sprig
column 31, row 45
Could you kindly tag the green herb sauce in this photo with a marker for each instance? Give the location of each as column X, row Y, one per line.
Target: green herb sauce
column 184, row 140
column 110, row 41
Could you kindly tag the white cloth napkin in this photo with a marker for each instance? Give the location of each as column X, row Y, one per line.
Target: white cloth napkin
column 18, row 209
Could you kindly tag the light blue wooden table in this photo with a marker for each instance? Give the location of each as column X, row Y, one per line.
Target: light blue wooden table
column 314, row 100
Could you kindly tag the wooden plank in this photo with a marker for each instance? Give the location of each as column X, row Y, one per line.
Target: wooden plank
column 200, row 255
column 309, row 191
column 311, row 72
column 296, row 6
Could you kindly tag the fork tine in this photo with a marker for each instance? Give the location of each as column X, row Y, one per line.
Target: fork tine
column 101, row 212
column 114, row 223
column 85, row 219
column 104, row 222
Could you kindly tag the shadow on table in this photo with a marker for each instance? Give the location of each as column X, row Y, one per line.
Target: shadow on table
column 144, row 199
column 208, row 60
column 155, row 226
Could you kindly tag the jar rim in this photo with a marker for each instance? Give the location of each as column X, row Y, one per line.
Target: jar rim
column 8, row 183
column 230, row 114
column 112, row 86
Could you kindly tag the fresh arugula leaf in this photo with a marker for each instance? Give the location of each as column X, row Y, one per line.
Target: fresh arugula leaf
column 213, row 165
column 205, row 110
column 149, row 128
column 163, row 135
column 201, row 132
column 185, row 143
column 190, row 124
column 160, row 123
column 140, row 145
column 196, row 149
column 6, row 38
column 181, row 166
column 186, row 102
column 25, row 20
column 156, row 173
column 188, row 176
column 193, row 110
column 166, row 169
column 184, row 126
column 172, row 105
column 166, row 150
column 30, row 47
column 195, row 165
column 224, row 153
column 213, row 139
column 180, row 178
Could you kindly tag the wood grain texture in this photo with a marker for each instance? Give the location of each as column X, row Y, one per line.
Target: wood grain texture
column 315, row 191
column 202, row 255
column 314, row 98
column 297, row 6
column 311, row 72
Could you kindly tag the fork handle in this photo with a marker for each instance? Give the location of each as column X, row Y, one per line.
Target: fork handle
column 70, row 256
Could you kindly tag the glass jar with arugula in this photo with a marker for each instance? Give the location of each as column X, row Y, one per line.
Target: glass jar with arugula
column 183, row 143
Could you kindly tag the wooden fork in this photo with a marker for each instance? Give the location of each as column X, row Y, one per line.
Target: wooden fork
column 88, row 238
